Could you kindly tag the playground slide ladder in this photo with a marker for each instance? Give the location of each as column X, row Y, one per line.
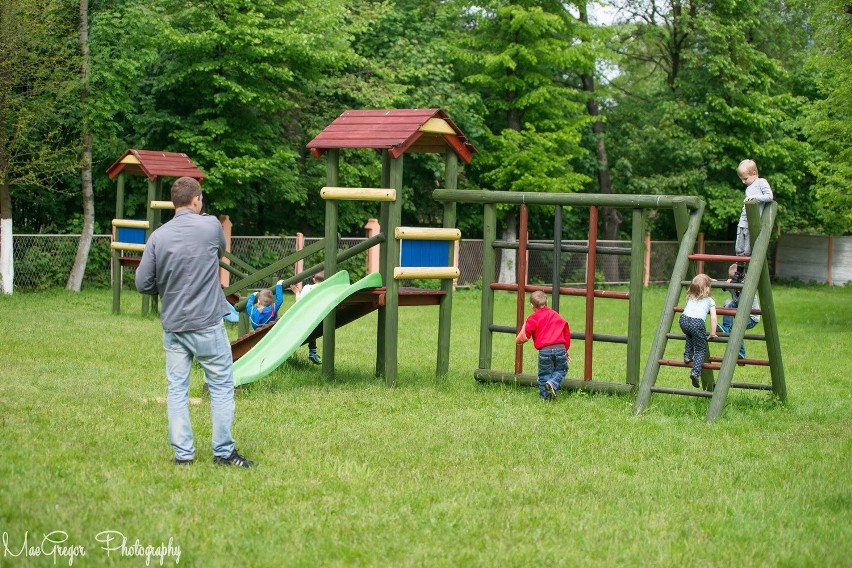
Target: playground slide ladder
column 756, row 280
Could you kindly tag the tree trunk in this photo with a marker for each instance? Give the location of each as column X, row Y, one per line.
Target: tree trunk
column 611, row 216
column 75, row 278
column 7, row 264
column 508, row 257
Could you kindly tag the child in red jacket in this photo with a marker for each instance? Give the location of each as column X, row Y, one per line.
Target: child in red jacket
column 552, row 337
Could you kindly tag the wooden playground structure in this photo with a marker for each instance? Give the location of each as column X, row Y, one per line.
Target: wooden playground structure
column 426, row 253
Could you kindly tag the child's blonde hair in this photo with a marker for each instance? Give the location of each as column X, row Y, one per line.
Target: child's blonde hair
column 732, row 270
column 538, row 299
column 747, row 167
column 699, row 288
column 265, row 298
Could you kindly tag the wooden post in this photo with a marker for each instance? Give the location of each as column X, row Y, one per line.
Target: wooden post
column 591, row 258
column 634, row 318
column 373, row 229
column 445, row 310
column 329, row 324
column 227, row 227
column 391, row 315
column 647, row 275
column 557, row 258
column 384, row 219
column 521, row 295
column 489, row 235
column 700, row 264
column 114, row 254
column 148, row 300
column 681, row 215
column 300, row 244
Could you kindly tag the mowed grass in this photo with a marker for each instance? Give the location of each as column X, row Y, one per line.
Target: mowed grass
column 433, row 472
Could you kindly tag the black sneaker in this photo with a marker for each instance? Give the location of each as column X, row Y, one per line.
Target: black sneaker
column 695, row 381
column 234, row 459
column 738, row 277
column 551, row 392
column 183, row 462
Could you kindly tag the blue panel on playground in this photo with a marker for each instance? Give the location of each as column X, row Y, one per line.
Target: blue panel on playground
column 131, row 235
column 424, row 253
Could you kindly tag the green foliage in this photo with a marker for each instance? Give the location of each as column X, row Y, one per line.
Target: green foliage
column 703, row 93
column 38, row 99
column 828, row 120
column 514, row 55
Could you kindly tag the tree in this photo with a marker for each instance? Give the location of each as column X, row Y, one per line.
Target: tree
column 37, row 88
column 249, row 65
column 705, row 85
column 611, row 216
column 516, row 54
column 828, row 120
column 78, row 270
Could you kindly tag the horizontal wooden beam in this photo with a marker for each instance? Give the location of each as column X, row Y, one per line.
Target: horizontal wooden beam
column 426, row 272
column 427, row 234
column 162, row 205
column 127, row 246
column 577, row 199
column 130, row 223
column 358, row 194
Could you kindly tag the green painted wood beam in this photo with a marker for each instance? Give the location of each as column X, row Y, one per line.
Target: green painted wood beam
column 445, row 309
column 576, row 199
column 634, row 317
column 329, row 324
column 391, row 312
column 522, row 379
column 489, row 235
column 276, row 266
column 384, row 215
column 758, row 273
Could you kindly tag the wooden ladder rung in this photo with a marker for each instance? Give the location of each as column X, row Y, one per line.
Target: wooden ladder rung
column 719, row 258
column 675, row 363
column 752, row 386
column 684, row 392
column 722, row 311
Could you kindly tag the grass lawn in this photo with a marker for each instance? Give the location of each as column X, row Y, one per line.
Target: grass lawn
column 432, row 473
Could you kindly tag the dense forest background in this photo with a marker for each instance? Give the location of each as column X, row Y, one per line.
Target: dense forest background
column 666, row 98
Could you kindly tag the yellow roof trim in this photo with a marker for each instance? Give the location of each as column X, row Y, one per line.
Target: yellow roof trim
column 437, row 126
column 130, row 159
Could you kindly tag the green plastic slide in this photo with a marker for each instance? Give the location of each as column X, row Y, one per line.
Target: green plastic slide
column 297, row 323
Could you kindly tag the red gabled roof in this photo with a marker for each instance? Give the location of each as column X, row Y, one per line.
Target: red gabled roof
column 396, row 130
column 154, row 164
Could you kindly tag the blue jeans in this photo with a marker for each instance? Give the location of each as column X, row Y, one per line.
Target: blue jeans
column 211, row 348
column 552, row 367
column 728, row 323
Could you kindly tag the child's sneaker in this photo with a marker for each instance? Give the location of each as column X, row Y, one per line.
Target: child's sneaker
column 695, row 381
column 315, row 359
column 551, row 392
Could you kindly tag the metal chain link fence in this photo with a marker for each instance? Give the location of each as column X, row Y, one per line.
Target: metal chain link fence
column 44, row 261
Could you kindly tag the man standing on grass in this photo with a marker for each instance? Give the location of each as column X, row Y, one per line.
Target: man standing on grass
column 181, row 264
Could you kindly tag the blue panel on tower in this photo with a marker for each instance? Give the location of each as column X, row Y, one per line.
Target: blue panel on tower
column 130, row 235
column 424, row 253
